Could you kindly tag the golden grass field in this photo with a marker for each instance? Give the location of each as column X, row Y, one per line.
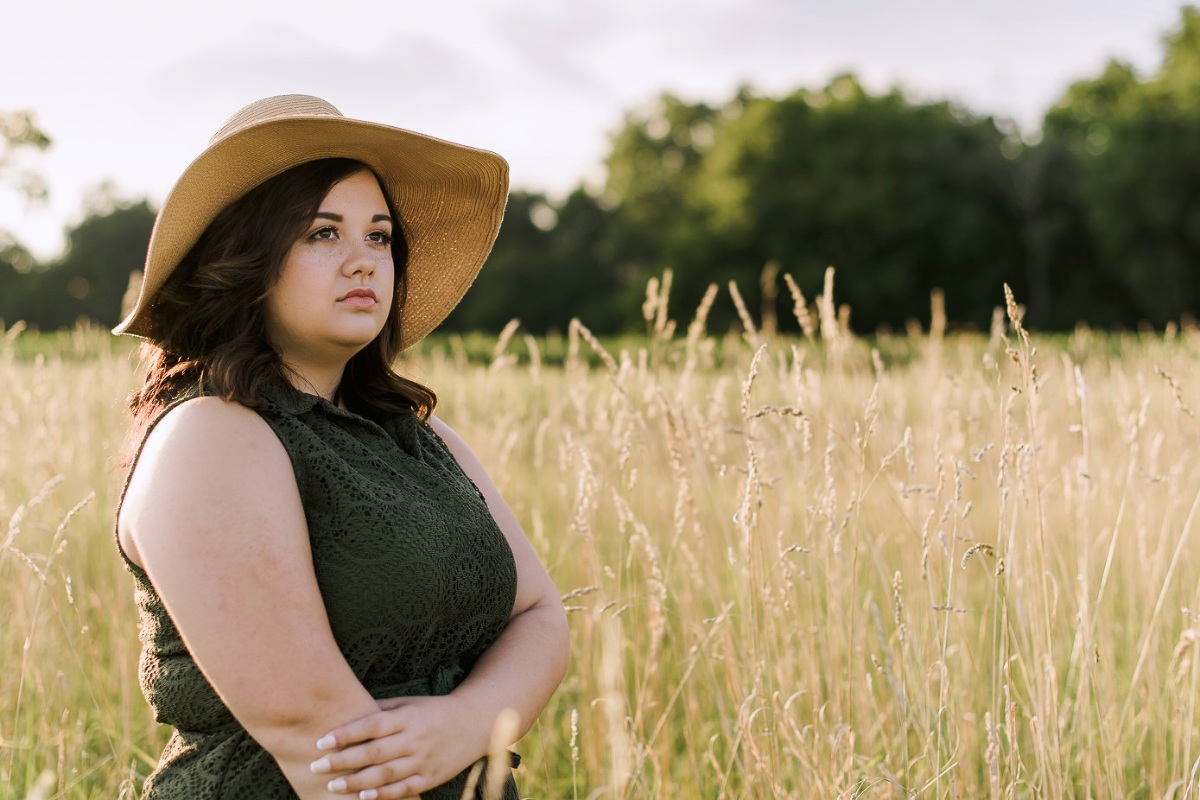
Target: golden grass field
column 921, row 566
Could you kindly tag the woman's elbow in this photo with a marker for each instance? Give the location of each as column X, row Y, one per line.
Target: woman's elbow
column 291, row 726
column 282, row 731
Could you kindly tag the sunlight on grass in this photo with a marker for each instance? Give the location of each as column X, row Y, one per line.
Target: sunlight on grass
column 944, row 566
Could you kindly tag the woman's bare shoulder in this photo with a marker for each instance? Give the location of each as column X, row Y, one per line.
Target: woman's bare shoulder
column 214, row 441
column 207, row 458
column 206, row 417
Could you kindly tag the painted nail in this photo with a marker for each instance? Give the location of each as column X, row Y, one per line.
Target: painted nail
column 320, row 765
column 337, row 785
column 326, row 743
column 368, row 794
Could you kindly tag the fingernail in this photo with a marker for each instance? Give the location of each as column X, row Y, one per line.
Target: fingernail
column 320, row 765
column 337, row 785
column 326, row 743
column 368, row 794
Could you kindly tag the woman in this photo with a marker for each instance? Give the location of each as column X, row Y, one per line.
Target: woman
column 334, row 598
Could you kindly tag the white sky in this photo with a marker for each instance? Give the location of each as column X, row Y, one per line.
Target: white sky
column 131, row 90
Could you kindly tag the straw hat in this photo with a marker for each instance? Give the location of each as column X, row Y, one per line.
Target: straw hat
column 450, row 197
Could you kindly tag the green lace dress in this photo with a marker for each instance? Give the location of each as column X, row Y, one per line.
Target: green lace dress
column 417, row 579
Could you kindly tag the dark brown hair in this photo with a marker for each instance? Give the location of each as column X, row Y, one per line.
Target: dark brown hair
column 208, row 320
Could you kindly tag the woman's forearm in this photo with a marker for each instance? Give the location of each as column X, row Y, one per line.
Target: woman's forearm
column 522, row 668
column 519, row 671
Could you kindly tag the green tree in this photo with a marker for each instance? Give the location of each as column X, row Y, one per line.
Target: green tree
column 1063, row 286
column 90, row 278
column 550, row 263
column 1135, row 147
column 652, row 165
column 901, row 198
column 15, row 263
column 19, row 133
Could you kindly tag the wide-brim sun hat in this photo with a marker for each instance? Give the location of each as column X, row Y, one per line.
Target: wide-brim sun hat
column 450, row 198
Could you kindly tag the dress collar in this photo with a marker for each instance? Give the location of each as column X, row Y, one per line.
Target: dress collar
column 281, row 396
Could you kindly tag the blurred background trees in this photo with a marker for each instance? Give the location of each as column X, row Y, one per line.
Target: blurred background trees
column 1134, row 149
column 1094, row 218
column 19, row 134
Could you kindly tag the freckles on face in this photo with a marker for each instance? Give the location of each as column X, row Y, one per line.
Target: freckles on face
column 335, row 286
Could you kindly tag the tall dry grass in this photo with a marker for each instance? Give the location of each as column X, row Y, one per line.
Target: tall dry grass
column 930, row 565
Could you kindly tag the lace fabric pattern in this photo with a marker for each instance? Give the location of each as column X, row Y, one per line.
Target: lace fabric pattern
column 417, row 579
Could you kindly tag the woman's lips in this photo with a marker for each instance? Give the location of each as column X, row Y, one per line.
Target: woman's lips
column 359, row 298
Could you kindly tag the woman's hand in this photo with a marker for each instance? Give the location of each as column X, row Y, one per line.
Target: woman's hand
column 409, row 746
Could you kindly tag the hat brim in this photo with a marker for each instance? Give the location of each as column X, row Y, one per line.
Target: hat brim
column 450, row 199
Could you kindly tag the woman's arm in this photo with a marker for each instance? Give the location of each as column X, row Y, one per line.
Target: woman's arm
column 519, row 672
column 214, row 516
column 526, row 664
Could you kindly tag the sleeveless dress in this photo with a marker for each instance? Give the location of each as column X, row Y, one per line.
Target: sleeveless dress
column 417, row 580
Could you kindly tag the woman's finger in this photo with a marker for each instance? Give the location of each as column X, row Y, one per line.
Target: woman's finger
column 391, row 779
column 372, row 726
column 409, row 788
column 361, row 756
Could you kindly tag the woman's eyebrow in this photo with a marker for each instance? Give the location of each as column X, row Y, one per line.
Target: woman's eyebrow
column 339, row 218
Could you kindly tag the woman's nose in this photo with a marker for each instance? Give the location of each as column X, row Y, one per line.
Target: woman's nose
column 361, row 261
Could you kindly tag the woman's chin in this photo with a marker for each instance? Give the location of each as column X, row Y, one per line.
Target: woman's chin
column 354, row 331
column 356, row 341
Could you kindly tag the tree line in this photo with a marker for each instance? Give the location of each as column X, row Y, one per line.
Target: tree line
column 1094, row 219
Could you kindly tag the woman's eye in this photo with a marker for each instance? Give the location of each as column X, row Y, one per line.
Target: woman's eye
column 382, row 237
column 324, row 233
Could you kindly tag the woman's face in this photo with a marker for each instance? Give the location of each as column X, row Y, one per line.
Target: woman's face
column 335, row 287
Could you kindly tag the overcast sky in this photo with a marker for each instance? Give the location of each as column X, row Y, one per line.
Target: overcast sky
column 131, row 90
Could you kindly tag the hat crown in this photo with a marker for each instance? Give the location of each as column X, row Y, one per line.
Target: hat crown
column 273, row 108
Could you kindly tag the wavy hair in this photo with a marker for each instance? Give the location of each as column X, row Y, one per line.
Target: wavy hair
column 208, row 321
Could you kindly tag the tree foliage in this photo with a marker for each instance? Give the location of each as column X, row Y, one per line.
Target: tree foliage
column 19, row 134
column 91, row 277
column 1135, row 151
column 902, row 198
column 550, row 263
